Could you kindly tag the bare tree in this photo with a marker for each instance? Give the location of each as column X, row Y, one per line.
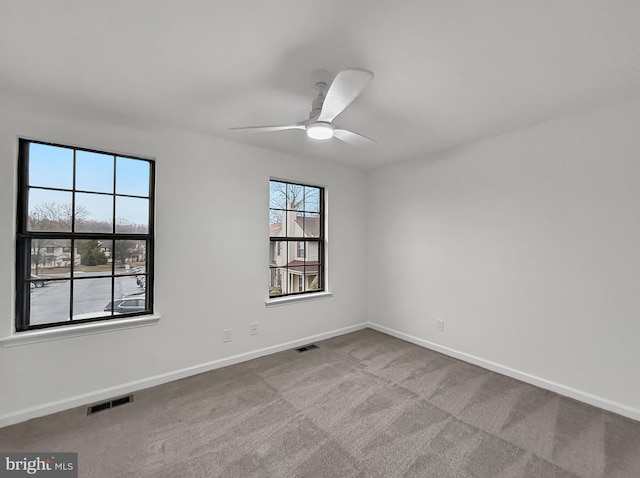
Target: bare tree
column 38, row 247
column 51, row 216
column 293, row 197
column 125, row 225
column 123, row 251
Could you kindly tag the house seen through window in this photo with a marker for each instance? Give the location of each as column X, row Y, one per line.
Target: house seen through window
column 85, row 235
column 296, row 223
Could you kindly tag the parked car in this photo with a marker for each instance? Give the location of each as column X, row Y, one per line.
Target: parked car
column 39, row 281
column 127, row 305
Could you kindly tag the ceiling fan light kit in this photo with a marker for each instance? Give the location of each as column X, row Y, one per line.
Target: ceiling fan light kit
column 345, row 88
column 320, row 130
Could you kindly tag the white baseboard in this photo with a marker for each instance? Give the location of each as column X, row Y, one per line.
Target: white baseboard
column 126, row 388
column 591, row 399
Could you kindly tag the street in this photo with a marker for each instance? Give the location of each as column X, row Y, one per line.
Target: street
column 90, row 296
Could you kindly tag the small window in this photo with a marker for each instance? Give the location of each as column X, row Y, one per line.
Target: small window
column 296, row 224
column 85, row 235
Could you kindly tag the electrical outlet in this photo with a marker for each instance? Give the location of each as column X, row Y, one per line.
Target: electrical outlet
column 440, row 325
column 254, row 328
column 226, row 335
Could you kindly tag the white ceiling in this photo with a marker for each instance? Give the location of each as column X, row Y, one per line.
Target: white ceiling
column 447, row 72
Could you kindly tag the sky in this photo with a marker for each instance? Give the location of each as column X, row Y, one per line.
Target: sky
column 52, row 167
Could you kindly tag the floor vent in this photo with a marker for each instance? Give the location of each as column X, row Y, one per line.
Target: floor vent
column 109, row 404
column 121, row 401
column 98, row 408
column 307, row 347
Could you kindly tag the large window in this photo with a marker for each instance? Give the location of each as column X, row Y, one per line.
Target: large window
column 85, row 236
column 296, row 222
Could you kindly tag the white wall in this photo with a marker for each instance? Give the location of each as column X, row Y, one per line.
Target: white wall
column 528, row 246
column 211, row 260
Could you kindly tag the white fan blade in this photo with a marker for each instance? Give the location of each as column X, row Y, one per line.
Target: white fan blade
column 352, row 138
column 345, row 88
column 268, row 129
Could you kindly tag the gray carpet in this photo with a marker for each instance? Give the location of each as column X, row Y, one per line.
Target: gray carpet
column 361, row 405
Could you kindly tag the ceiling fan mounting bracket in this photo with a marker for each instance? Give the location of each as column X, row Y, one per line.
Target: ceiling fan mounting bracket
column 316, row 105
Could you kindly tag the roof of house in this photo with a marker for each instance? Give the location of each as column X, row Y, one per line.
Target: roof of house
column 310, row 226
column 309, row 267
column 274, row 229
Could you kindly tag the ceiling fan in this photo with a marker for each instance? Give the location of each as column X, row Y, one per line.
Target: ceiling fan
column 345, row 88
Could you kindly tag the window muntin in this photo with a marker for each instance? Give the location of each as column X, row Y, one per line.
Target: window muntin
column 85, row 235
column 296, row 211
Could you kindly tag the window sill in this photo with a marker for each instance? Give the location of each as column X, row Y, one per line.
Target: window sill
column 297, row 298
column 59, row 333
